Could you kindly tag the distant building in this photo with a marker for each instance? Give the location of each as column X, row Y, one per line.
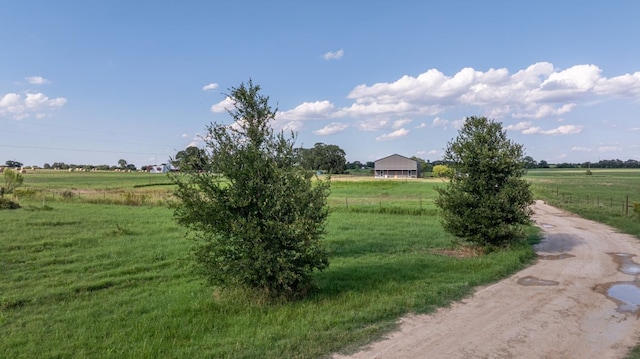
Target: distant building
column 396, row 166
column 163, row 168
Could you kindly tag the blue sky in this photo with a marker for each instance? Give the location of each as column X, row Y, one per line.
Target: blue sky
column 92, row 82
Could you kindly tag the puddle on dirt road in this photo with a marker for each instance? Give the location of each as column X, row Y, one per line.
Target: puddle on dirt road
column 531, row 281
column 625, row 294
column 625, row 263
column 545, row 225
column 555, row 256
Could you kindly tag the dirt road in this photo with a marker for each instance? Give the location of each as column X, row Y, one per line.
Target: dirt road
column 556, row 308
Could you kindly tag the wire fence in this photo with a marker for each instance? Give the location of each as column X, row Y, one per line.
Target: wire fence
column 627, row 204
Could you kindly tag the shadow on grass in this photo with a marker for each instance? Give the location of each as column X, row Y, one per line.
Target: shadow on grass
column 361, row 276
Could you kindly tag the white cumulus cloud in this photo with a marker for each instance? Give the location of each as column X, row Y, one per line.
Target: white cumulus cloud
column 580, row 149
column 393, row 135
column 37, row 80
column 538, row 91
column 223, row 106
column 20, row 107
column 400, row 123
column 334, row 55
column 332, row 128
column 609, row 149
column 209, row 87
column 308, row 111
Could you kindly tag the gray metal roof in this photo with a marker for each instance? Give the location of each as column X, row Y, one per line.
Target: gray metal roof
column 396, row 162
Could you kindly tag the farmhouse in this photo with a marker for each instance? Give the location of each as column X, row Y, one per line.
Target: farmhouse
column 396, row 166
column 163, row 168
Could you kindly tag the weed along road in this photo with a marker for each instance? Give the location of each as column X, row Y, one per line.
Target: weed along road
column 579, row 300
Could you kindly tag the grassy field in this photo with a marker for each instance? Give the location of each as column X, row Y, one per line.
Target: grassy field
column 606, row 196
column 94, row 266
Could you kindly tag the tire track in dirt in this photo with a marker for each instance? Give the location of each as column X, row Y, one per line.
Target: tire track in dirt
column 565, row 315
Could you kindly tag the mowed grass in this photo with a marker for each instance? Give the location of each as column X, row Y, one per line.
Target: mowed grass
column 81, row 279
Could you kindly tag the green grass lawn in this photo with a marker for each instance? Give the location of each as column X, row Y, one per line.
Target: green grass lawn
column 85, row 279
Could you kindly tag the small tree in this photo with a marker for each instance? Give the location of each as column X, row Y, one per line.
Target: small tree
column 191, row 158
column 442, row 171
column 12, row 180
column 257, row 217
column 486, row 201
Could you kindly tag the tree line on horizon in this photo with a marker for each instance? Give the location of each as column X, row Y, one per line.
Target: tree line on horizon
column 327, row 158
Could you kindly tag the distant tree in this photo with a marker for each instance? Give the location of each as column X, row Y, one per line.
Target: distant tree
column 60, row 165
column 47, row 166
column 131, row 167
column 191, row 158
column 13, row 164
column 442, row 171
column 328, row 158
column 529, row 162
column 257, row 217
column 565, row 165
column 122, row 163
column 543, row 164
column 632, row 164
column 355, row 165
column 371, row 164
column 423, row 165
column 487, row 200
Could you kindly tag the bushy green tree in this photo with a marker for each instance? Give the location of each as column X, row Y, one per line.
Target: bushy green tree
column 257, row 217
column 443, row 171
column 12, row 180
column 486, row 200
column 191, row 158
column 328, row 158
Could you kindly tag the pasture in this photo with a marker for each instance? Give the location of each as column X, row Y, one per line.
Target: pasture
column 94, row 266
column 606, row 196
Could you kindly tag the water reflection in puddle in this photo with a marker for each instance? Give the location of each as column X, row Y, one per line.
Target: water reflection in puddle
column 627, row 295
column 545, row 225
column 529, row 281
column 626, row 264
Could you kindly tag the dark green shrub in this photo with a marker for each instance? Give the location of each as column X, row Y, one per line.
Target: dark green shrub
column 6, row 203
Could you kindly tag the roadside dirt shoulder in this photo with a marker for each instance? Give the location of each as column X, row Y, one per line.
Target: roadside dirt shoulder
column 556, row 308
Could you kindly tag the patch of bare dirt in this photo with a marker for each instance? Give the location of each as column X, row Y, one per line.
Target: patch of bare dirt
column 561, row 308
column 459, row 252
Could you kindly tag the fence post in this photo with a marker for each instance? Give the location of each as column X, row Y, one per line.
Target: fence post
column 626, row 207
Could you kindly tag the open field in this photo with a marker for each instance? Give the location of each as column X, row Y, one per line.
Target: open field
column 94, row 266
column 605, row 196
column 90, row 274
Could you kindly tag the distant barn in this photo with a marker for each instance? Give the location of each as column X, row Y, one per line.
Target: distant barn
column 163, row 168
column 396, row 166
